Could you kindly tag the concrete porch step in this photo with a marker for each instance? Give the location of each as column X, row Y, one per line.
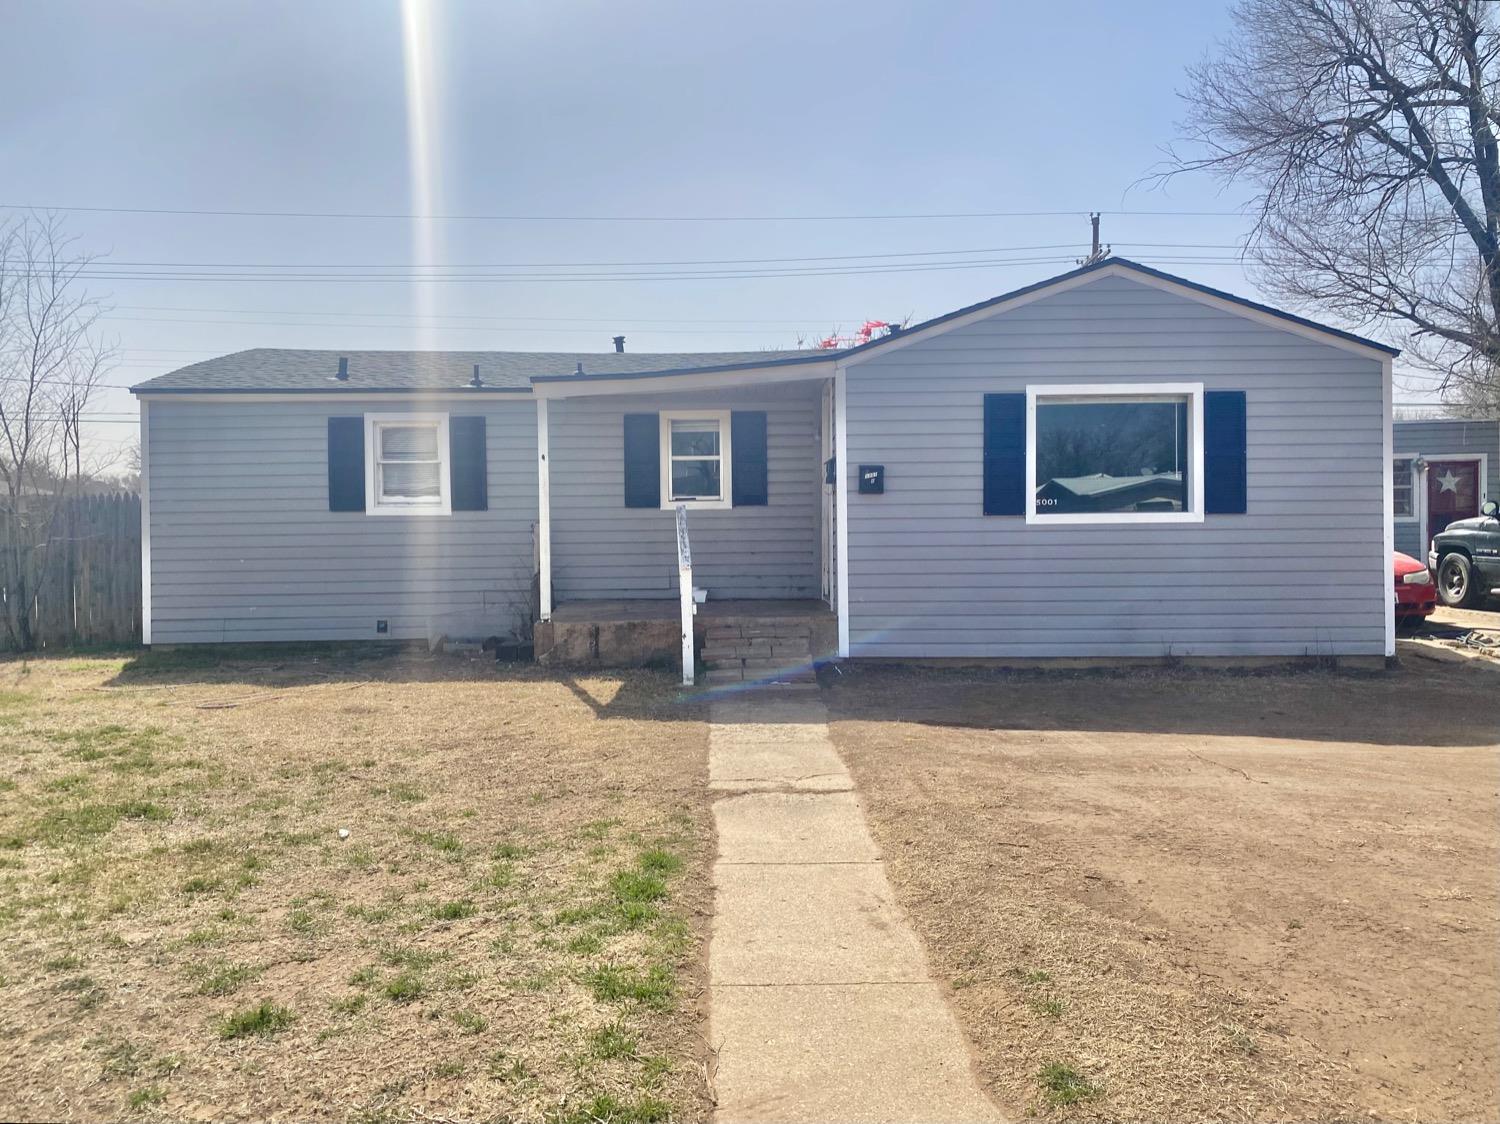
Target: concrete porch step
column 786, row 651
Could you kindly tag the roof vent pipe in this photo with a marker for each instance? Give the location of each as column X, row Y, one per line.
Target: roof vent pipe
column 476, row 380
column 343, row 375
column 619, row 343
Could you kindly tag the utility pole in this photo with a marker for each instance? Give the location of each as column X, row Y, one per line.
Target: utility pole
column 1098, row 252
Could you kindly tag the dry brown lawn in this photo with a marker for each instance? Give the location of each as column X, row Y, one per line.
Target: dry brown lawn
column 512, row 929
column 1182, row 896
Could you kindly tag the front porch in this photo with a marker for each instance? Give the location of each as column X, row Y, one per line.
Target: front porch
column 718, row 480
column 735, row 640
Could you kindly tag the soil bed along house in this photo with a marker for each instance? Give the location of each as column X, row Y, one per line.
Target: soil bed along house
column 1192, row 896
column 512, row 927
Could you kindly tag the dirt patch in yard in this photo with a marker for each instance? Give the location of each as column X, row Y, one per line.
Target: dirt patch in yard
column 513, row 927
column 1185, row 896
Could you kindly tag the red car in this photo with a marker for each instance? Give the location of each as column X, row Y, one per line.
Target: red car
column 1416, row 596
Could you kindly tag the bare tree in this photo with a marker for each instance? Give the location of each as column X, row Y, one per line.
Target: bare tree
column 51, row 364
column 1369, row 130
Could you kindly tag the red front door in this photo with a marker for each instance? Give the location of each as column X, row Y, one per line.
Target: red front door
column 1452, row 493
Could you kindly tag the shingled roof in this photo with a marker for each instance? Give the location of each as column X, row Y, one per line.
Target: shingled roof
column 282, row 370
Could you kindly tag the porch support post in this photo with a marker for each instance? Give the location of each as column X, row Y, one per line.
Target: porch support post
column 544, row 513
column 841, row 502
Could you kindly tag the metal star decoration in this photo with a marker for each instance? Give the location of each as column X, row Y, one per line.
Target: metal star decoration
column 1447, row 482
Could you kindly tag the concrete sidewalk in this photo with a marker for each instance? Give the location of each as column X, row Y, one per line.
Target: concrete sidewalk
column 821, row 1004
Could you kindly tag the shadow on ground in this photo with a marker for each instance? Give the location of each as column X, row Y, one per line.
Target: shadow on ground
column 1417, row 704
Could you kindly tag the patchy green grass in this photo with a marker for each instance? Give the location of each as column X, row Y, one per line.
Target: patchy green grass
column 612, row 1041
column 148, row 1096
column 637, row 886
column 606, row 1108
column 470, row 1022
column 170, row 860
column 261, row 1021
column 453, row 911
column 405, row 987
column 443, row 842
column 620, row 983
column 220, row 977
column 1063, row 1085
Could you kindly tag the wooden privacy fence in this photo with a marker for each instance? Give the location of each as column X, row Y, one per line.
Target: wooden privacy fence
column 89, row 587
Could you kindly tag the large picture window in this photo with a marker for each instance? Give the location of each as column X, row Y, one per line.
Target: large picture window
column 1115, row 454
column 406, row 464
column 695, row 459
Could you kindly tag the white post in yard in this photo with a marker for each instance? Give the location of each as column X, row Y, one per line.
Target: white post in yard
column 685, row 591
column 544, row 514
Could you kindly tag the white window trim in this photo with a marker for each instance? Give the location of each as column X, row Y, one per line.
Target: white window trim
column 374, row 505
column 1416, row 507
column 1193, row 391
column 726, row 484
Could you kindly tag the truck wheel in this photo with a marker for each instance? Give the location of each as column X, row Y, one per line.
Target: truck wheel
column 1456, row 585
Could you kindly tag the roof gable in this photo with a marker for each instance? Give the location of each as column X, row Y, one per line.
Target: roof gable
column 1122, row 267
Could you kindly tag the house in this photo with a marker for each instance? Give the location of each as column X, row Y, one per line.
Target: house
column 1444, row 469
column 1115, row 462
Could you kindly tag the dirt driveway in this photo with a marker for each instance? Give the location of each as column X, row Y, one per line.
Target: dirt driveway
column 1199, row 895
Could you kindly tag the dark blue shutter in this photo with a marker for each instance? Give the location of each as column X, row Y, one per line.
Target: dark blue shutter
column 469, row 468
column 346, row 464
column 642, row 460
column 747, row 455
column 1005, row 454
column 1224, row 488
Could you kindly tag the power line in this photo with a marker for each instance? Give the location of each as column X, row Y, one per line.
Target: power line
column 625, row 319
column 709, row 275
column 409, row 217
column 111, row 263
column 623, row 325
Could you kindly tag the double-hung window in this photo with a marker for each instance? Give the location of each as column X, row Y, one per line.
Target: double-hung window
column 695, row 464
column 406, row 464
column 1403, row 487
column 1115, row 453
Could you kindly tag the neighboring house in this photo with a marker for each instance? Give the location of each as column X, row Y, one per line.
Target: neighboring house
column 1114, row 462
column 1445, row 468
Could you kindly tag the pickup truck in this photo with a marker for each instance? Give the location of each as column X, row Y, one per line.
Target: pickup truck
column 1466, row 559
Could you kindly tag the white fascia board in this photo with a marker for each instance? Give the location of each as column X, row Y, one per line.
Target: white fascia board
column 709, row 380
column 389, row 399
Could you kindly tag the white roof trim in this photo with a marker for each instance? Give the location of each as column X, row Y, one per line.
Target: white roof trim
column 1114, row 269
column 388, row 399
column 698, row 380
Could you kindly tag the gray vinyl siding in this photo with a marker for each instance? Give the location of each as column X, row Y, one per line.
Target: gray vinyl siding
column 602, row 549
column 1304, row 571
column 1446, row 436
column 244, row 548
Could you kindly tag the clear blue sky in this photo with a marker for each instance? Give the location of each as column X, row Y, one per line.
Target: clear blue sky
column 556, row 107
